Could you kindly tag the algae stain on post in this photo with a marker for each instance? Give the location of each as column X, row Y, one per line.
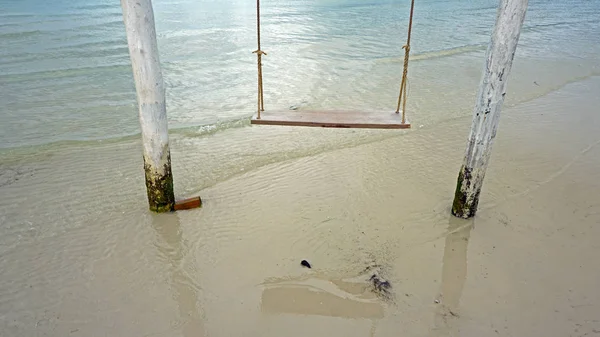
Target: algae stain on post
column 486, row 115
column 138, row 17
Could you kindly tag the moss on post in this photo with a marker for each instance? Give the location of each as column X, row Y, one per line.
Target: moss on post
column 459, row 197
column 465, row 201
column 159, row 186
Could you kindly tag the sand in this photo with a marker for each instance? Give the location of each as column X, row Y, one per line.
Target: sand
column 526, row 265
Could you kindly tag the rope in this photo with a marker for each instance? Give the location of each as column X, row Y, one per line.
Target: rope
column 406, row 47
column 259, row 53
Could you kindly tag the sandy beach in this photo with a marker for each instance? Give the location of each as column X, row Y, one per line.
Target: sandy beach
column 525, row 266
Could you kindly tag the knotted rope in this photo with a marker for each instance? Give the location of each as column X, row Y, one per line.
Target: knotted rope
column 403, row 85
column 259, row 53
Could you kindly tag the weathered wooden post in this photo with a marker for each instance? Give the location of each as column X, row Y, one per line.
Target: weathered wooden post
column 143, row 50
column 486, row 115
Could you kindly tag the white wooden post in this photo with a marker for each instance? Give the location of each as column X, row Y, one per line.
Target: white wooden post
column 143, row 50
column 486, row 115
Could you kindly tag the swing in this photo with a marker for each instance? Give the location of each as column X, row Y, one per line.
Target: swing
column 333, row 119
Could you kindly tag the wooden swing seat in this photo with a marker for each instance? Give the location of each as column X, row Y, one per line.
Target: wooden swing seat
column 331, row 119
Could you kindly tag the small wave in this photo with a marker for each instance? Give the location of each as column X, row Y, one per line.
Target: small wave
column 20, row 35
column 92, row 45
column 10, row 24
column 209, row 129
column 479, row 9
column 437, row 53
column 97, row 6
column 111, row 25
column 61, row 73
column 17, row 15
column 17, row 59
column 79, row 50
column 186, row 131
column 544, row 26
column 6, row 152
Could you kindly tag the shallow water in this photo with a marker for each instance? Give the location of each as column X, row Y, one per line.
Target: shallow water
column 90, row 260
column 65, row 71
column 81, row 256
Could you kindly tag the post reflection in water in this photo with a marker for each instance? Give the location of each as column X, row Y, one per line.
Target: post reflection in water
column 454, row 274
column 172, row 250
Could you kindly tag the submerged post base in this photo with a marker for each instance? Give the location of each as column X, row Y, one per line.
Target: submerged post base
column 465, row 198
column 160, row 188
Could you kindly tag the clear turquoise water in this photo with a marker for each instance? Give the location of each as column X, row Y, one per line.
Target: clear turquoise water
column 65, row 73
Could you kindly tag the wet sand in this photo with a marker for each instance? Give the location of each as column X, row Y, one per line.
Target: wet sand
column 102, row 265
